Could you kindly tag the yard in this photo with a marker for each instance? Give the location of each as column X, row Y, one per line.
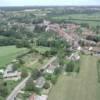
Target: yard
column 8, row 53
column 83, row 87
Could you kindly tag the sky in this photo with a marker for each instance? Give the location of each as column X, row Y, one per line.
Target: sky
column 47, row 2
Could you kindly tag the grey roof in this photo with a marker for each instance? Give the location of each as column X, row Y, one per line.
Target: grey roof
column 40, row 82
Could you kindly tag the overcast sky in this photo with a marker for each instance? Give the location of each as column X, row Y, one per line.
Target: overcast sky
column 47, row 2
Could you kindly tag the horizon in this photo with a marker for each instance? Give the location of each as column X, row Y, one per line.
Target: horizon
column 17, row 3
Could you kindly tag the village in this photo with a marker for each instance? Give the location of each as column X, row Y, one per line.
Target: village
column 48, row 55
column 48, row 74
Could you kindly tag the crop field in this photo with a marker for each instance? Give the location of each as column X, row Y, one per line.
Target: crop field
column 8, row 53
column 91, row 19
column 83, row 87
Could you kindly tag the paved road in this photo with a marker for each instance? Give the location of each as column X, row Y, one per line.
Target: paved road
column 50, row 61
column 22, row 84
column 18, row 88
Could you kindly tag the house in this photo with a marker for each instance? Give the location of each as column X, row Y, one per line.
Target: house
column 10, row 74
column 50, row 69
column 31, row 97
column 96, row 50
column 74, row 57
column 40, row 82
column 38, row 97
column 42, row 97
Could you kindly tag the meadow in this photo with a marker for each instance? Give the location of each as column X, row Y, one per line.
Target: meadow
column 8, row 53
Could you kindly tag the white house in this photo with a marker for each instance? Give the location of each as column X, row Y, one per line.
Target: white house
column 50, row 69
column 10, row 74
column 74, row 57
column 40, row 97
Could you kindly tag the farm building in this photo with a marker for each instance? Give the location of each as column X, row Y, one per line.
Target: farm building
column 10, row 74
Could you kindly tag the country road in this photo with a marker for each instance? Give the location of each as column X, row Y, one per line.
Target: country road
column 22, row 84
column 18, row 88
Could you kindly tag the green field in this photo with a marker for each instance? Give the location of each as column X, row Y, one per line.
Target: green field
column 83, row 87
column 8, row 53
column 91, row 19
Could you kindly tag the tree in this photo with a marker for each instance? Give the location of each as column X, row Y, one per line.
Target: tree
column 54, row 79
column 70, row 67
column 29, row 85
column 3, row 89
column 57, row 70
column 46, row 85
column 36, row 73
column 24, row 74
column 21, row 61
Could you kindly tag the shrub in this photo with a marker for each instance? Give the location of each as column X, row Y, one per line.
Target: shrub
column 47, row 85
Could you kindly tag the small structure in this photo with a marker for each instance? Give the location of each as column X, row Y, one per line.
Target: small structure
column 90, row 48
column 40, row 82
column 50, row 69
column 10, row 74
column 79, row 48
column 1, row 71
column 38, row 97
column 42, row 97
column 74, row 57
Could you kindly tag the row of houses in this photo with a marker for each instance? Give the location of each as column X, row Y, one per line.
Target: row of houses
column 40, row 82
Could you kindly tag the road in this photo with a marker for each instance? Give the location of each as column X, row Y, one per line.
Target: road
column 18, row 88
column 50, row 61
column 22, row 84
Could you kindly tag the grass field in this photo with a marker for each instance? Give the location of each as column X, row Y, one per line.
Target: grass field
column 8, row 53
column 91, row 19
column 83, row 87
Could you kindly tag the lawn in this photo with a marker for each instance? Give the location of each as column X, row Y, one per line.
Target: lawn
column 83, row 87
column 8, row 53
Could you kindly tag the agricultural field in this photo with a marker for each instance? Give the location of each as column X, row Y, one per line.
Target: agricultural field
column 83, row 87
column 92, row 19
column 8, row 53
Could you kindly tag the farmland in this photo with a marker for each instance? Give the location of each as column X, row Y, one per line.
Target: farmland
column 8, row 53
column 82, row 87
column 92, row 19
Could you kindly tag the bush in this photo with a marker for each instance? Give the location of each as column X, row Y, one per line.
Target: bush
column 36, row 73
column 57, row 71
column 47, row 85
column 48, row 76
column 24, row 74
column 54, row 79
column 70, row 67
